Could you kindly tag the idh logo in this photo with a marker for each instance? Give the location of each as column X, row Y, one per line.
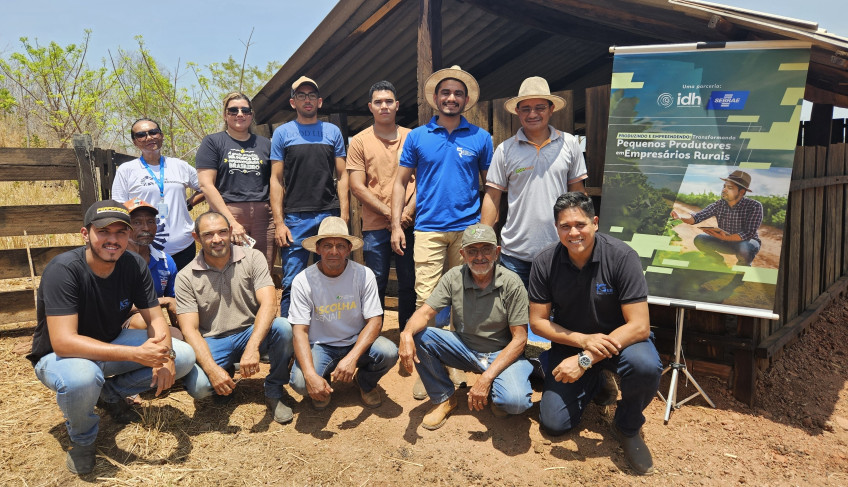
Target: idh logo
column 691, row 99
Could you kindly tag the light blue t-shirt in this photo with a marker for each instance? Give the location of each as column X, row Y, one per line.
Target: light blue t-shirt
column 448, row 169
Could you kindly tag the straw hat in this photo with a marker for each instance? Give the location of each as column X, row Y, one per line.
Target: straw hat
column 534, row 87
column 741, row 179
column 454, row 72
column 332, row 227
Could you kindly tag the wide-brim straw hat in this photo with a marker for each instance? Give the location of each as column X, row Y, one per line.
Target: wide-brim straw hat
column 534, row 87
column 332, row 227
column 454, row 72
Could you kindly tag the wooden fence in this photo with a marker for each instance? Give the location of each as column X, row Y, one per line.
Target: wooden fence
column 84, row 164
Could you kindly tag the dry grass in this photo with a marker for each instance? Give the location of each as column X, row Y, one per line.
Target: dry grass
column 13, row 193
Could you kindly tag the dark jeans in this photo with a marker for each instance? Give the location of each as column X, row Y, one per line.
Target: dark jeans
column 378, row 253
column 744, row 250
column 639, row 368
column 184, row 256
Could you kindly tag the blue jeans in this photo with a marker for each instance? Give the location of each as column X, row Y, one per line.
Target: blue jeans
column 302, row 224
column 639, row 368
column 518, row 266
column 227, row 350
column 437, row 348
column 79, row 383
column 745, row 250
column 380, row 358
column 377, row 250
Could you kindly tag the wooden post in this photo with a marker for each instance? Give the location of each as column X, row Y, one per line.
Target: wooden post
column 88, row 184
column 597, row 125
column 744, row 363
column 429, row 51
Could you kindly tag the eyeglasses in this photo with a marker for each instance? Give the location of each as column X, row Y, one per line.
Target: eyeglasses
column 236, row 110
column 300, row 96
column 527, row 110
column 487, row 251
column 151, row 132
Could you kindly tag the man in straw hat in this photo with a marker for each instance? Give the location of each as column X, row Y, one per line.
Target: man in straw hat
column 533, row 167
column 738, row 219
column 79, row 349
column 308, row 155
column 490, row 315
column 449, row 157
column 336, row 320
column 227, row 303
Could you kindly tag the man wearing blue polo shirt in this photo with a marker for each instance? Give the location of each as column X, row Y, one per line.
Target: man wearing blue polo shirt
column 449, row 157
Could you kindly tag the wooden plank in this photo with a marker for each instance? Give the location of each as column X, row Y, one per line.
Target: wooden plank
column 844, row 170
column 88, row 184
column 429, row 51
column 14, row 262
column 60, row 219
column 502, row 122
column 744, row 364
column 818, row 235
column 597, row 126
column 785, row 335
column 818, row 183
column 17, row 306
column 833, row 220
column 809, row 223
column 564, row 119
column 37, row 164
column 792, row 235
column 480, row 115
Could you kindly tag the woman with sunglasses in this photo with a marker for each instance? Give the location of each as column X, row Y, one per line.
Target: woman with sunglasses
column 162, row 182
column 234, row 170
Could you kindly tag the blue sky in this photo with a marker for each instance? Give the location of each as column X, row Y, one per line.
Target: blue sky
column 764, row 182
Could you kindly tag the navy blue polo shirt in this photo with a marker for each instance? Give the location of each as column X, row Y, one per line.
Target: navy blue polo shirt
column 588, row 300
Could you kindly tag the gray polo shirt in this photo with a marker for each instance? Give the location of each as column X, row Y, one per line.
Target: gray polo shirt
column 482, row 317
column 224, row 299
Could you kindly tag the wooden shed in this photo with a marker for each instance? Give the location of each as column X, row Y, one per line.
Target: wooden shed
column 501, row 42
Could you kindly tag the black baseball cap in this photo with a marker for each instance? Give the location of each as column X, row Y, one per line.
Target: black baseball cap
column 106, row 212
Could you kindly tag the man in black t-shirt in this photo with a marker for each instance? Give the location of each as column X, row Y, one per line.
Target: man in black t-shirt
column 589, row 297
column 80, row 350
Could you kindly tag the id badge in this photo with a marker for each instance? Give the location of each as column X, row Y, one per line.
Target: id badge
column 163, row 209
column 248, row 241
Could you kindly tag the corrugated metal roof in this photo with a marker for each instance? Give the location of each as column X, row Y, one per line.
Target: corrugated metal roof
column 501, row 42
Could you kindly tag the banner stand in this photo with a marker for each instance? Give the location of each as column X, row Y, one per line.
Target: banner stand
column 676, row 367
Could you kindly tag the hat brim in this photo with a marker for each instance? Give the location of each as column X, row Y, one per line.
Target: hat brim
column 442, row 74
column 737, row 183
column 311, row 243
column 512, row 103
column 105, row 222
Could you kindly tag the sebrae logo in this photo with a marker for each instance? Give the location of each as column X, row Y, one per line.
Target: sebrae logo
column 727, row 100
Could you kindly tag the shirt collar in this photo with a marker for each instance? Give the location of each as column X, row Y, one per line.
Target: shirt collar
column 522, row 137
column 468, row 280
column 433, row 124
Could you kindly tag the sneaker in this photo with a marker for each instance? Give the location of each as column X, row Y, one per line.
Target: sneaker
column 608, row 394
column 498, row 411
column 439, row 414
column 635, row 451
column 418, row 390
column 457, row 377
column 80, row 459
column 321, row 405
column 282, row 413
column 120, row 412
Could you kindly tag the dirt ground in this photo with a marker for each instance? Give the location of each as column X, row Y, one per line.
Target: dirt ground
column 796, row 435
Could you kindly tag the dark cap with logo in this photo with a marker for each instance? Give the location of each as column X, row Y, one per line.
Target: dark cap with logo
column 479, row 233
column 106, row 212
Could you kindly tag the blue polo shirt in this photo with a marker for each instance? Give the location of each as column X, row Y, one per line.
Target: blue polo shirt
column 163, row 270
column 447, row 174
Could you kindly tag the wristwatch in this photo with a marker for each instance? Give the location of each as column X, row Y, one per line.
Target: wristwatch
column 584, row 361
column 172, row 354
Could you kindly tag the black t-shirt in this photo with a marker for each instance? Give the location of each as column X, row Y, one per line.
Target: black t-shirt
column 244, row 167
column 588, row 300
column 68, row 286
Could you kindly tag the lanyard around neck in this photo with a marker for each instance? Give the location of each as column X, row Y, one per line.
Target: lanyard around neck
column 161, row 181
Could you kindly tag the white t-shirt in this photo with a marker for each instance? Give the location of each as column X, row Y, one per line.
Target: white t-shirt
column 133, row 181
column 334, row 308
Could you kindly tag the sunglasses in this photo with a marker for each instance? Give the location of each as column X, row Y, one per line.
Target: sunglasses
column 151, row 133
column 236, row 110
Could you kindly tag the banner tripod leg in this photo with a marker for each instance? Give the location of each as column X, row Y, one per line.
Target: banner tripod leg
column 676, row 367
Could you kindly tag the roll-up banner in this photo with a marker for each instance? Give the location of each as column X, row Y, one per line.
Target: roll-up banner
column 698, row 164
